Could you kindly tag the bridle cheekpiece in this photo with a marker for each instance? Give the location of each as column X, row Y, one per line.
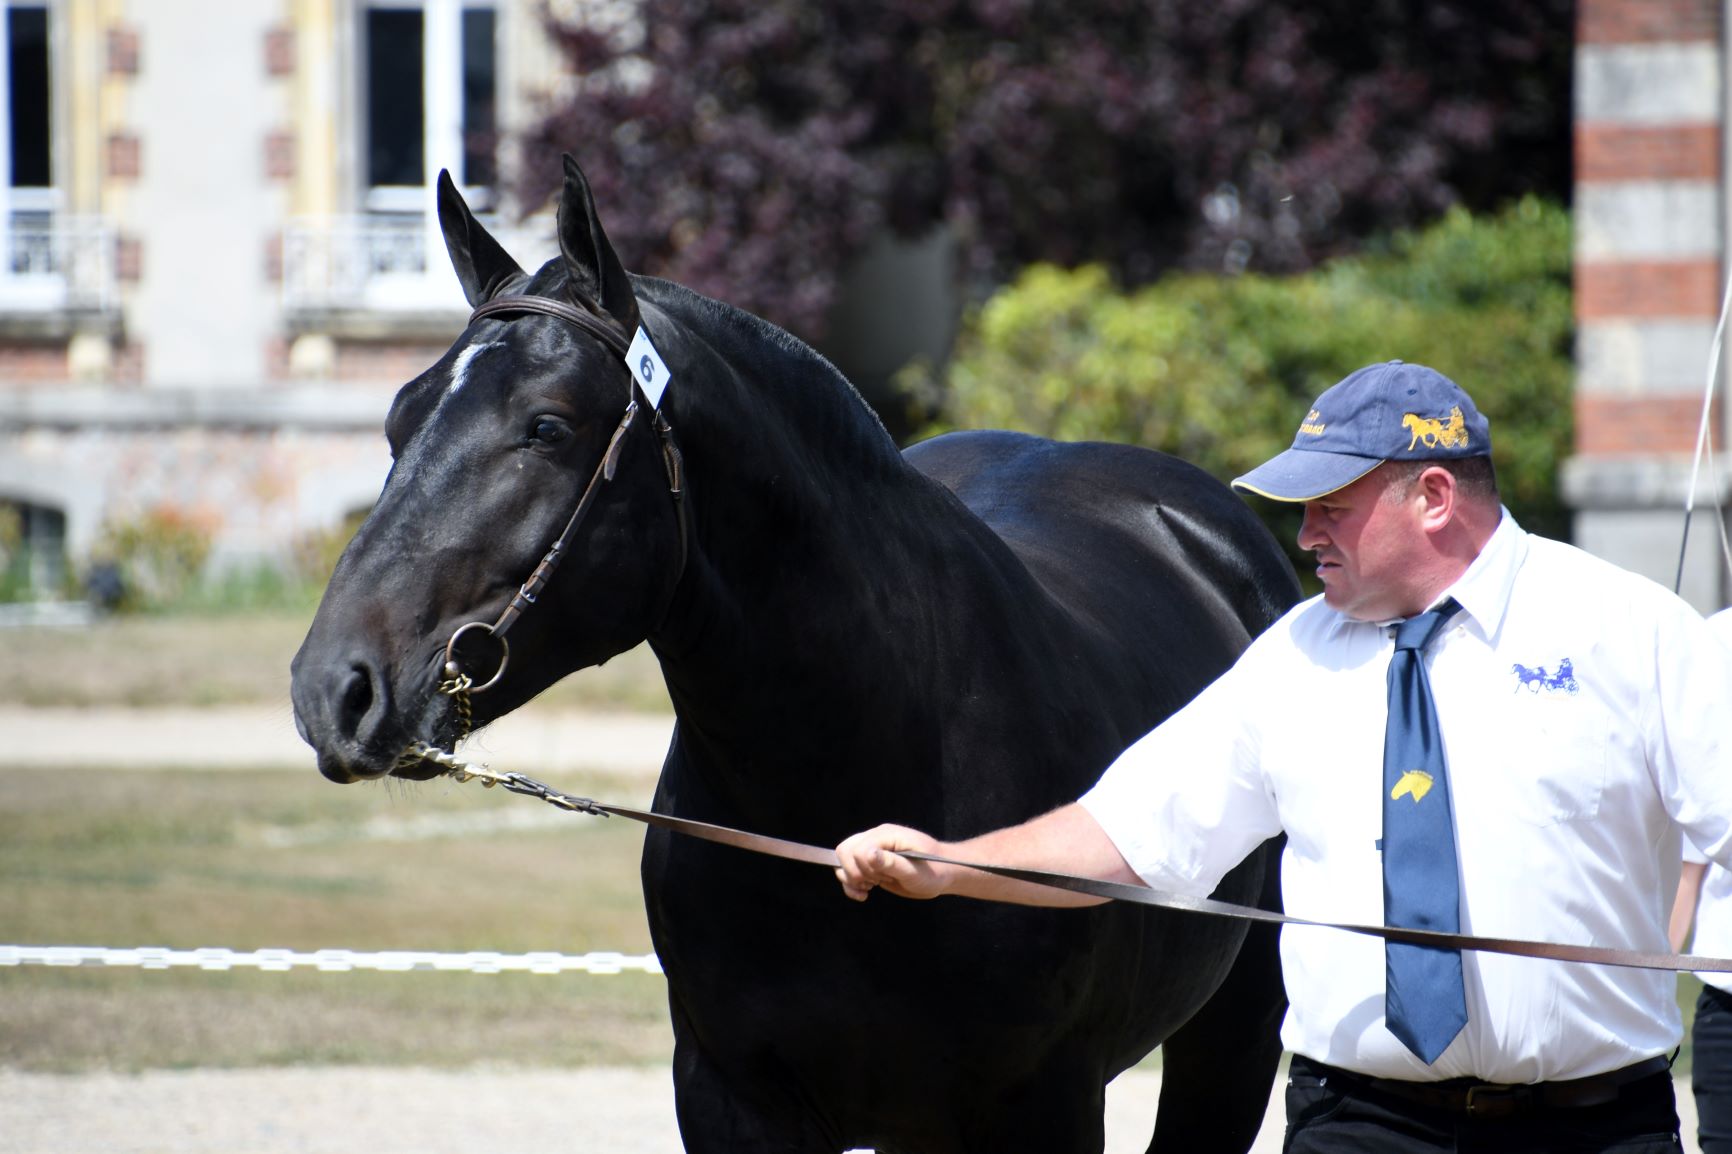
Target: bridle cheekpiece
column 456, row 682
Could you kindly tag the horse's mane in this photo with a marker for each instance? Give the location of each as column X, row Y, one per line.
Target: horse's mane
column 802, row 380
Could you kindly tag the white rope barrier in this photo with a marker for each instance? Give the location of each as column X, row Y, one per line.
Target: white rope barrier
column 331, row 961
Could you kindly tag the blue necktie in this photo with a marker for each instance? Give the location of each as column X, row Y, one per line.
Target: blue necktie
column 1425, row 1005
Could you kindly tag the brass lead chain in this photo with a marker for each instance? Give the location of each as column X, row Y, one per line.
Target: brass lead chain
column 457, row 688
column 463, row 771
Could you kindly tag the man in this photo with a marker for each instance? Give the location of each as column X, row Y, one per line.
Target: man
column 1563, row 711
column 1705, row 897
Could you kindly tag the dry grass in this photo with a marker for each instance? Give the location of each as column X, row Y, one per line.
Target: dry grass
column 249, row 860
column 231, row 659
column 270, row 859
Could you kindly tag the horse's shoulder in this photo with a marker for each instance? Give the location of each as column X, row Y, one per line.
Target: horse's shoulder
column 1106, row 522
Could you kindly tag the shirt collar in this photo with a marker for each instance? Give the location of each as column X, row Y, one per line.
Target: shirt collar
column 1484, row 590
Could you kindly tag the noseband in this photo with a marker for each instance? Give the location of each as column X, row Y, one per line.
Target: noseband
column 457, row 683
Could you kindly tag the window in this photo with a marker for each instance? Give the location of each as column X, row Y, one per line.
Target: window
column 430, row 88
column 38, row 246
column 479, row 126
column 425, row 83
column 396, row 120
column 27, row 95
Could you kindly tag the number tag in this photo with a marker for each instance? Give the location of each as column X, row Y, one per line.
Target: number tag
column 647, row 366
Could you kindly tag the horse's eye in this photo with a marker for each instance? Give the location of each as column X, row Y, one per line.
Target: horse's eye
column 549, row 431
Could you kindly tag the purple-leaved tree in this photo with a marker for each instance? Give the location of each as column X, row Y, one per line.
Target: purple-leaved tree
column 749, row 148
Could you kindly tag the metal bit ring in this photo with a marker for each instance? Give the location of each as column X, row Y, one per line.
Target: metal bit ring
column 454, row 670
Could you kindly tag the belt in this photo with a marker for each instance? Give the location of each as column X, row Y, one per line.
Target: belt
column 1493, row 1100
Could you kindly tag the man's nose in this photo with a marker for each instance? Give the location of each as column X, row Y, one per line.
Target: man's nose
column 1310, row 535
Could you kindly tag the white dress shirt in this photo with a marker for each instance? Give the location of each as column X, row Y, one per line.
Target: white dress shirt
column 1713, row 934
column 1569, row 787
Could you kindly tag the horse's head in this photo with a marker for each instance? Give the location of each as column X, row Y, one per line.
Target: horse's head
column 492, row 449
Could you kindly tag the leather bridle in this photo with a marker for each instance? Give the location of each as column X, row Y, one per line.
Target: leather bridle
column 609, row 333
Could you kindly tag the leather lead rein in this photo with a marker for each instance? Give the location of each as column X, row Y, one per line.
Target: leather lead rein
column 1095, row 887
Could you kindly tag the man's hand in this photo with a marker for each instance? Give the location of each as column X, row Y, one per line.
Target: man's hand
column 1067, row 840
column 870, row 861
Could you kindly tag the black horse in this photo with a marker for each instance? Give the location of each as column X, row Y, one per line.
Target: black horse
column 957, row 638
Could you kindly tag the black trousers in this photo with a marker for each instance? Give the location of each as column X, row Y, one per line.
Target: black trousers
column 1711, row 1070
column 1335, row 1115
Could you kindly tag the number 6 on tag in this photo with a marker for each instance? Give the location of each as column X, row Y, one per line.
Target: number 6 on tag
column 647, row 366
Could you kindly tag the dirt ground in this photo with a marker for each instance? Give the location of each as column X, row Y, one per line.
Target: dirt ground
column 408, row 1111
column 373, row 1111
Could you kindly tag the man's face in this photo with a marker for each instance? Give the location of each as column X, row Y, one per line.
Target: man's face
column 1368, row 543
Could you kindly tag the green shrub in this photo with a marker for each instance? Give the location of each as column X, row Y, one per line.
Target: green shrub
column 160, row 555
column 1219, row 370
column 160, row 559
column 14, row 560
column 263, row 586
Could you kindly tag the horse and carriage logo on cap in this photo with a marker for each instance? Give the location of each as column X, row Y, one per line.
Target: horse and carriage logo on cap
column 1436, row 432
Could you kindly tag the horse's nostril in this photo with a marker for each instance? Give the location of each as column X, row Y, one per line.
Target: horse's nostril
column 357, row 699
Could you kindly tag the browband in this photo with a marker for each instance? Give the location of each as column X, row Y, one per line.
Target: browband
column 603, row 330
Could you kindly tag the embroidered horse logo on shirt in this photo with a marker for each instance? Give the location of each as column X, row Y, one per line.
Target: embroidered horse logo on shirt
column 1448, row 434
column 1415, row 783
column 1534, row 680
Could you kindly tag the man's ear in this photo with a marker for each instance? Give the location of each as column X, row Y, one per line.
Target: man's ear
column 1438, row 493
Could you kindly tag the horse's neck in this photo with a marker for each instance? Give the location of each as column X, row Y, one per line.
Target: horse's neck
column 818, row 565
column 804, row 576
column 825, row 572
column 771, row 431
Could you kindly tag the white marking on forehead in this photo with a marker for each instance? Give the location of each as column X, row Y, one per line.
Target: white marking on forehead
column 460, row 370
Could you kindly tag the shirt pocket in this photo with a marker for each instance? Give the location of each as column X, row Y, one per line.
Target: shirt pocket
column 1557, row 750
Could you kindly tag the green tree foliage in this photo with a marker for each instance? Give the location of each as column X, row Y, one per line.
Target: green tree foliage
column 1219, row 370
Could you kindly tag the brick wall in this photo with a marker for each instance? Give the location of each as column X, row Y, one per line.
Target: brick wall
column 1649, row 271
column 1648, row 220
column 1639, row 21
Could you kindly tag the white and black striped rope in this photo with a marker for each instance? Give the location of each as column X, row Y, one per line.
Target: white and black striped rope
column 331, row 961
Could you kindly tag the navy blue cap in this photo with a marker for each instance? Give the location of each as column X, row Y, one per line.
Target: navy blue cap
column 1385, row 412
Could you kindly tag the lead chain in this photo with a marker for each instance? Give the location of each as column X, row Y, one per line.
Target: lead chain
column 457, row 688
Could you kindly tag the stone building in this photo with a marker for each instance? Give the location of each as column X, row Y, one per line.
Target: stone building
column 219, row 258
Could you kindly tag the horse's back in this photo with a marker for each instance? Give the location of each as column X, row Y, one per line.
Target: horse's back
column 1118, row 533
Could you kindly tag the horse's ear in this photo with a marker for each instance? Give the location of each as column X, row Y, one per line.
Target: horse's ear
column 589, row 258
column 483, row 267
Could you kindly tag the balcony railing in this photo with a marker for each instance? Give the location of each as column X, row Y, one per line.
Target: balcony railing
column 51, row 262
column 377, row 263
